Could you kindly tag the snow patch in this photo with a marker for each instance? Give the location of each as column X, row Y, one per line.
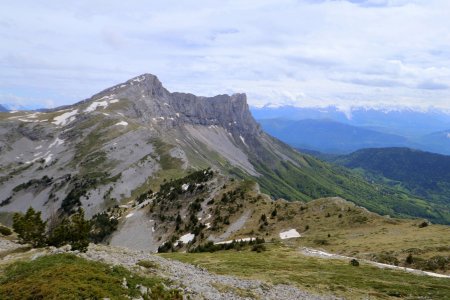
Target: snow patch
column 65, row 118
column 139, row 79
column 37, row 158
column 243, row 140
column 187, row 238
column 122, row 123
column 106, row 97
column 38, row 147
column 93, row 106
column 48, row 158
column 208, row 225
column 185, row 187
column 129, row 215
column 28, row 121
column 114, row 101
column 292, row 233
column 56, row 142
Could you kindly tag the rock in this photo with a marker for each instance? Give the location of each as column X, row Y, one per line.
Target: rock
column 37, row 255
column 142, row 289
column 65, row 248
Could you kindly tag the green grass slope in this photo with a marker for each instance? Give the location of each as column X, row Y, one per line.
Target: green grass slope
column 66, row 276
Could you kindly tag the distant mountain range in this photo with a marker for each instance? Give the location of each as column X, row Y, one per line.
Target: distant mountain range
column 405, row 122
column 3, row 109
column 329, row 136
column 332, row 131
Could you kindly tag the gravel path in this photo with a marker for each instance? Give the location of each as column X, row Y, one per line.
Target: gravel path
column 197, row 282
column 326, row 255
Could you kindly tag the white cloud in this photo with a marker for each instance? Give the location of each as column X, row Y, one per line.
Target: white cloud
column 357, row 52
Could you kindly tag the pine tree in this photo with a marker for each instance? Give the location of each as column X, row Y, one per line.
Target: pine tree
column 60, row 234
column 80, row 229
column 30, row 228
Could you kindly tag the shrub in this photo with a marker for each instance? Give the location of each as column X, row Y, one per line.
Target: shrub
column 166, row 247
column 386, row 258
column 274, row 213
column 259, row 248
column 354, row 262
column 5, row 231
column 423, row 224
column 321, row 242
column 409, row 259
column 147, row 264
column 235, row 245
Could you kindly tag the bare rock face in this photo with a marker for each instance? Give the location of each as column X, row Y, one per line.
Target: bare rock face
column 151, row 102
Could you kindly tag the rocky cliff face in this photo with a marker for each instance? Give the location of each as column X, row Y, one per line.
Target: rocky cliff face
column 151, row 102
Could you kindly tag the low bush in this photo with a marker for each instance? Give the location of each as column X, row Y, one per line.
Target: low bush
column 5, row 230
column 354, row 262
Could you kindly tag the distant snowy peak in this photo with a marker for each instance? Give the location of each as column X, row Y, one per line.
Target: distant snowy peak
column 348, row 110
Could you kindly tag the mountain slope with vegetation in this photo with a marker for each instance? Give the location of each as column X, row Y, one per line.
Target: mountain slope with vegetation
column 424, row 174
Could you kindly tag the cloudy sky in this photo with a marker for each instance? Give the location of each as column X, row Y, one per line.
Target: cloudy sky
column 300, row 52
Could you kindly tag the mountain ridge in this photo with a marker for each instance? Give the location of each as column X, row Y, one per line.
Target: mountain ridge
column 120, row 143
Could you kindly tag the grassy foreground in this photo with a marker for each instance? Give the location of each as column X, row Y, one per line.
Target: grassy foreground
column 66, row 276
column 280, row 264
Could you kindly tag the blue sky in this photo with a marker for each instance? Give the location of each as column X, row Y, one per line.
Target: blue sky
column 376, row 53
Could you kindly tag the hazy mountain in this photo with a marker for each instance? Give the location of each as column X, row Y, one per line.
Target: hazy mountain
column 3, row 109
column 422, row 173
column 405, row 122
column 126, row 140
column 329, row 136
column 438, row 142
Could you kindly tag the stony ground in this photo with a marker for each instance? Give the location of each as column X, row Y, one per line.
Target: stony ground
column 197, row 282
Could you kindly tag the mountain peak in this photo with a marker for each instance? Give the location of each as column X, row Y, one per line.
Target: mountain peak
column 148, row 101
column 147, row 79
